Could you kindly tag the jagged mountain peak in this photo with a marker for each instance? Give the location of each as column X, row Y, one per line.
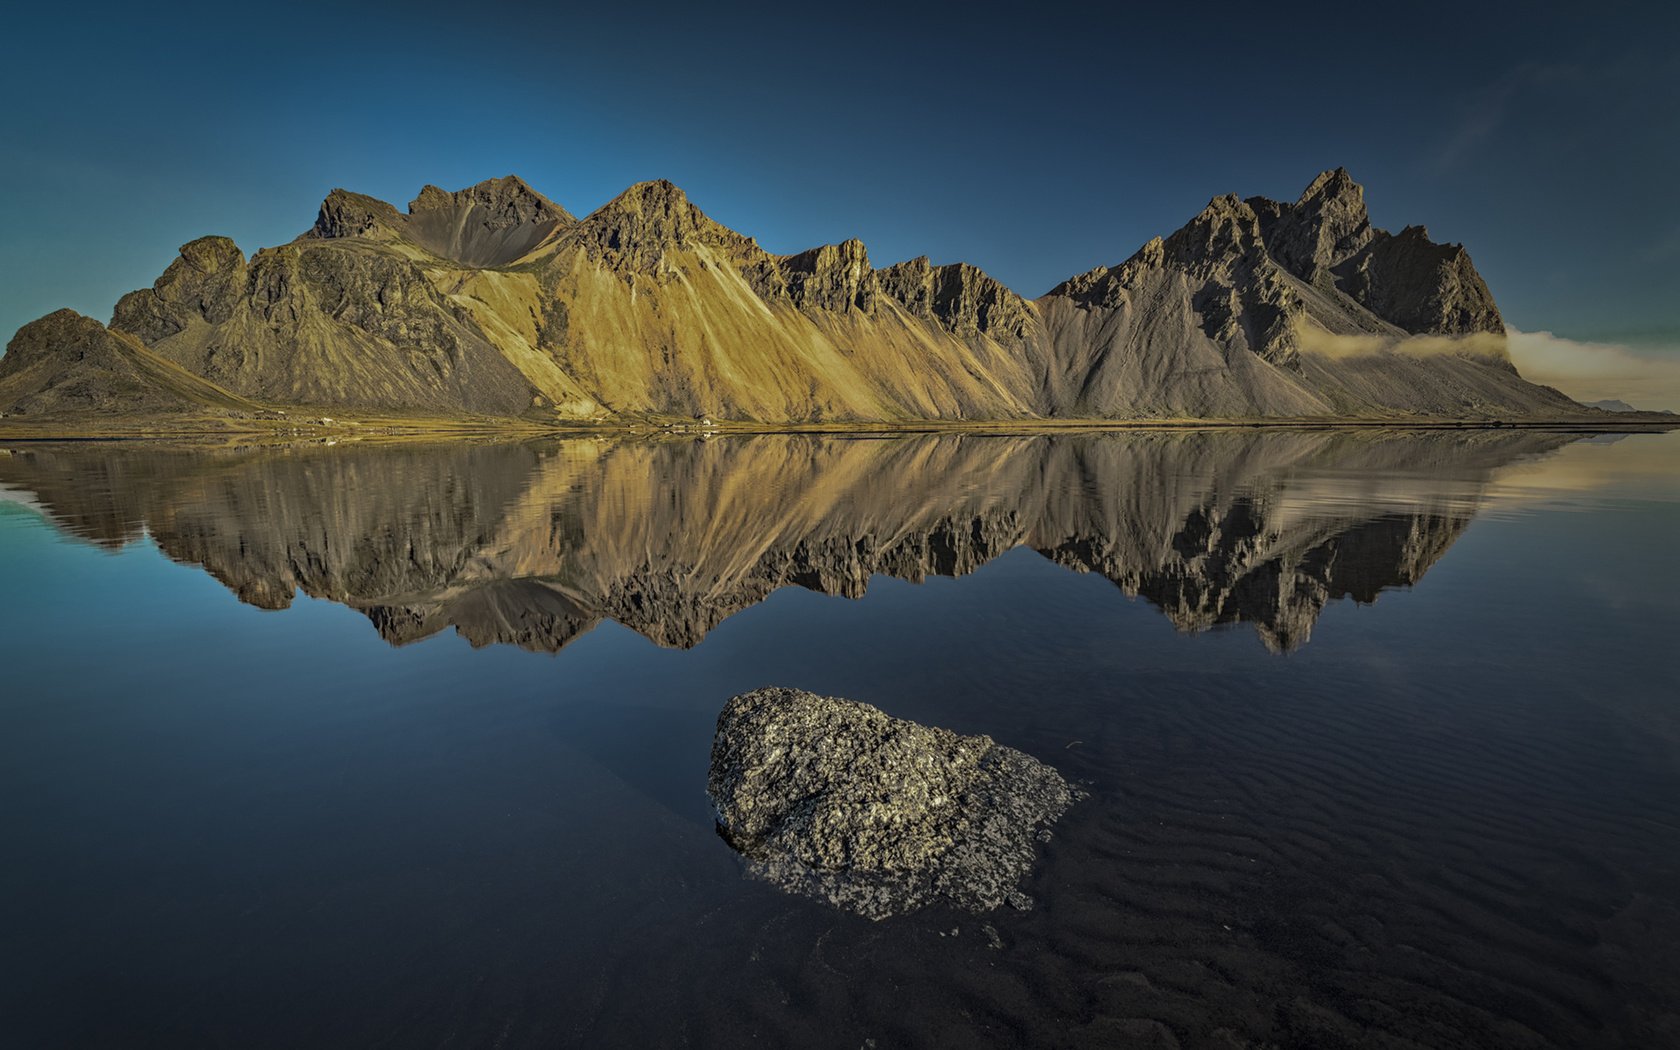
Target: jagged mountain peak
column 653, row 197
column 347, row 214
column 1334, row 183
column 1227, row 226
column 1254, row 248
column 962, row 299
column 1327, row 225
column 635, row 231
column 488, row 224
column 509, row 195
column 1226, row 206
column 653, row 190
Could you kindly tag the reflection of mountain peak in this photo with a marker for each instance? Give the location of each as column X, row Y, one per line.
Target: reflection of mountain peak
column 1228, row 566
column 534, row 545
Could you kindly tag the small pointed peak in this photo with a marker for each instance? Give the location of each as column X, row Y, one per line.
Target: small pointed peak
column 636, row 229
column 430, row 198
column 920, row 264
column 341, row 196
column 1327, row 226
column 653, row 191
column 1227, row 209
column 508, row 187
column 655, row 197
column 651, row 198
column 1223, row 209
column 1333, row 183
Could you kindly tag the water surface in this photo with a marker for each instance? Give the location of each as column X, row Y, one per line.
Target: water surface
column 406, row 745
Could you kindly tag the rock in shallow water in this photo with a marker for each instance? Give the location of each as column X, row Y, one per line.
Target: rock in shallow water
column 837, row 800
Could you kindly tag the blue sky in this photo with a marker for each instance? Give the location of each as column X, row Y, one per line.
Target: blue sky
column 1034, row 144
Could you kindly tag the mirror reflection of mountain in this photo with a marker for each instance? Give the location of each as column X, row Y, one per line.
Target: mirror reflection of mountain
column 534, row 544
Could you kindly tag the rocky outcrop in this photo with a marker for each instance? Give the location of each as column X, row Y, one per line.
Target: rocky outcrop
column 1327, row 225
column 880, row 816
column 1326, row 239
column 1410, row 281
column 346, row 214
column 960, row 298
column 834, row 277
column 207, row 282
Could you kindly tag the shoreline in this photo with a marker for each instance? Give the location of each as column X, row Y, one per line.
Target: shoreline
column 332, row 430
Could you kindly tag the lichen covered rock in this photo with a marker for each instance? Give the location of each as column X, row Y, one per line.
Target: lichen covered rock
column 837, row 800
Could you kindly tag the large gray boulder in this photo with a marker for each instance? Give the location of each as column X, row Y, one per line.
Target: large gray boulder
column 837, row 800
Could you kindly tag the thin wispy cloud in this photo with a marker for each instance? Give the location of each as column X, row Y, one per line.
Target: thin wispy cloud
column 1590, row 371
column 1487, row 112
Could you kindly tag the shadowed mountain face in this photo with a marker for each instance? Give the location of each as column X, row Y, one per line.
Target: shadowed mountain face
column 496, row 301
column 534, row 544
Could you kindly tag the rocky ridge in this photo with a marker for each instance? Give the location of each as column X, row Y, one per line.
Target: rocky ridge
column 494, row 300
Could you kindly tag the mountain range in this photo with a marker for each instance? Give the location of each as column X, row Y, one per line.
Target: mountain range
column 494, row 301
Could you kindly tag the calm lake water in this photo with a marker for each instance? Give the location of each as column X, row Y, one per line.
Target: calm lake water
column 406, row 746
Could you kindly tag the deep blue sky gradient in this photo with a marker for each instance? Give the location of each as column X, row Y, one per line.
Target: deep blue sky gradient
column 1034, row 143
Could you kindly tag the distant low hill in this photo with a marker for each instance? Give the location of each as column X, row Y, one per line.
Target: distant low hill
column 495, row 301
column 73, row 365
column 1615, row 405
